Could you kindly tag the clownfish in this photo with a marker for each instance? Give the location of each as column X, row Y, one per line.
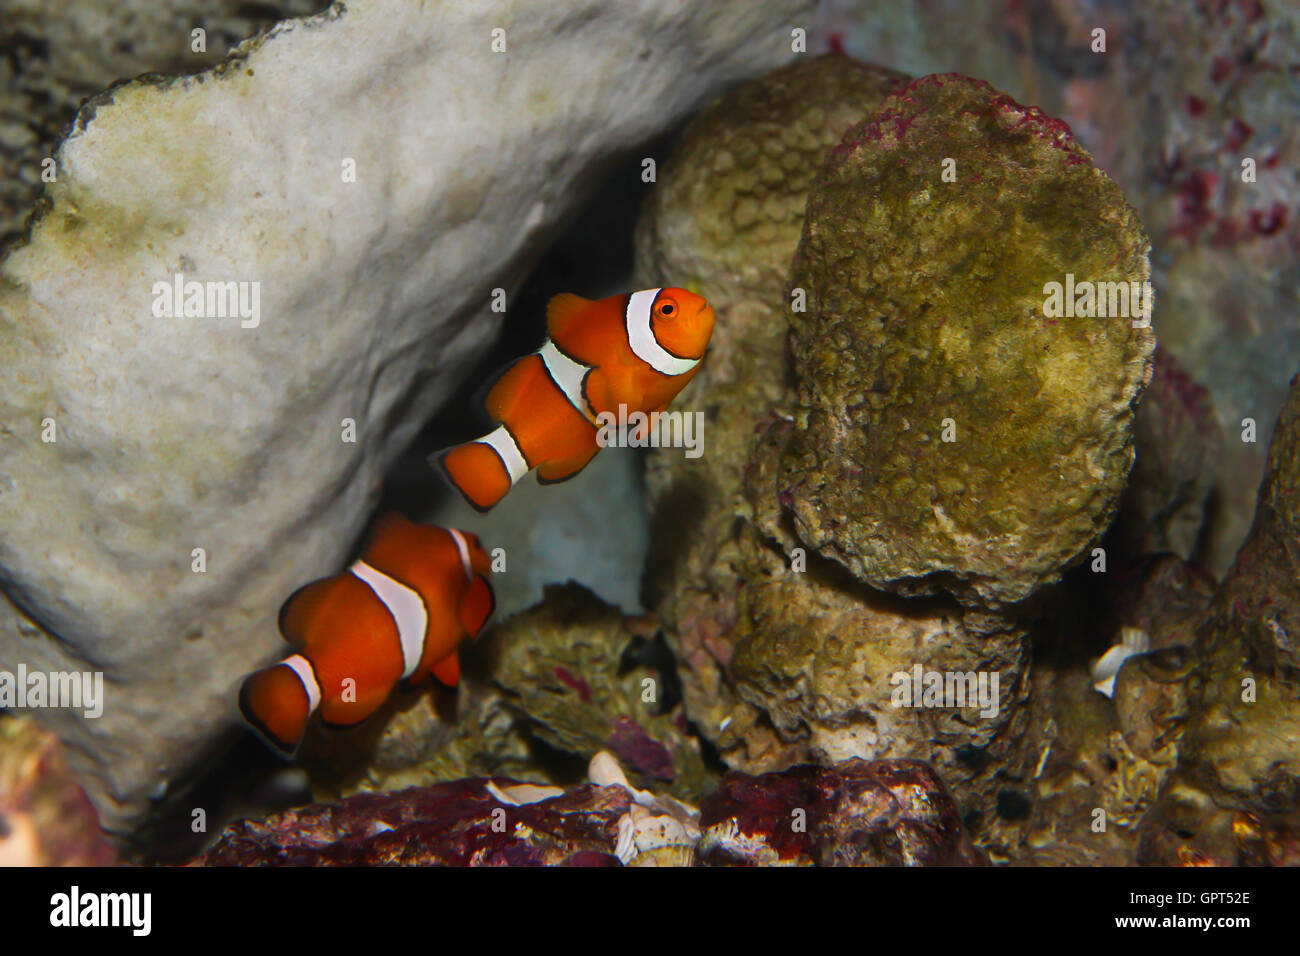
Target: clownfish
column 634, row 350
column 397, row 614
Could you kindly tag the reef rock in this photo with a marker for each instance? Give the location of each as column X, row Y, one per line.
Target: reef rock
column 1076, row 785
column 475, row 822
column 882, row 813
column 58, row 54
column 580, row 680
column 1239, row 751
column 838, row 669
column 45, row 818
column 166, row 482
column 726, row 215
column 1209, row 87
column 955, row 432
column 785, row 657
column 1178, row 447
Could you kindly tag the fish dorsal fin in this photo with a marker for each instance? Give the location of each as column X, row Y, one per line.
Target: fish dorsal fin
column 385, row 527
column 563, row 309
column 301, row 609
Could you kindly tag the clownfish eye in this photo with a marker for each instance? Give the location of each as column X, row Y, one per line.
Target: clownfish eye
column 666, row 309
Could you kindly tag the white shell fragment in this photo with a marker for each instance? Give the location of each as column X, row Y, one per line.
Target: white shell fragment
column 655, row 829
column 517, row 795
column 1105, row 669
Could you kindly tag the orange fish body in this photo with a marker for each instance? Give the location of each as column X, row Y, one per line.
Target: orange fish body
column 636, row 351
column 398, row 613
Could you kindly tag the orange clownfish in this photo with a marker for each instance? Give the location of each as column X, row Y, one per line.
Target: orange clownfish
column 635, row 350
column 397, row 614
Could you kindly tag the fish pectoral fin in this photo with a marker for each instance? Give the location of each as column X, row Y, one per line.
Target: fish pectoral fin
column 598, row 393
column 447, row 670
column 477, row 605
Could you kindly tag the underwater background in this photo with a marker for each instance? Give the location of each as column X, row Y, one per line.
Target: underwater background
column 922, row 473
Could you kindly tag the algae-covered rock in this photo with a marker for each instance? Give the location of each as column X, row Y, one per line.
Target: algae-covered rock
column 955, row 432
column 581, row 680
column 729, row 205
column 726, row 214
column 786, row 656
column 826, row 658
column 1241, row 748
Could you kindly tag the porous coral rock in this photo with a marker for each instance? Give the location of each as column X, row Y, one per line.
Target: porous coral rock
column 461, row 823
column 785, row 657
column 726, row 215
column 857, row 813
column 952, row 435
column 1239, row 752
column 1208, row 88
column 561, row 669
column 376, row 216
column 45, row 818
column 475, row 822
column 57, row 54
column 824, row 657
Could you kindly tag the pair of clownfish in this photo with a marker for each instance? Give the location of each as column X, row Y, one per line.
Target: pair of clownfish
column 399, row 613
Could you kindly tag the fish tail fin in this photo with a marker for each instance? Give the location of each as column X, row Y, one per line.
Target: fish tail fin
column 277, row 701
column 483, row 470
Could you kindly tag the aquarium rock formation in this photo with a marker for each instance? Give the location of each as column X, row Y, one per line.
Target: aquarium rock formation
column 237, row 304
column 1210, row 87
column 45, row 818
column 884, row 813
column 958, row 432
column 859, row 813
column 790, row 645
column 1235, row 797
